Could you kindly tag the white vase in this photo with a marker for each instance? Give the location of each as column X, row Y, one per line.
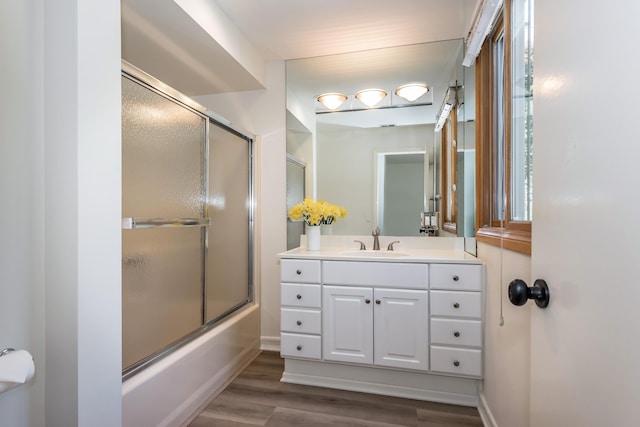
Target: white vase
column 313, row 237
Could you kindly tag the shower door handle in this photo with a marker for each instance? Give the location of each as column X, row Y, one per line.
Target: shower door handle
column 131, row 223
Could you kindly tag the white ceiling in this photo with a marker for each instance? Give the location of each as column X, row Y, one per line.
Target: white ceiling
column 160, row 38
column 287, row 29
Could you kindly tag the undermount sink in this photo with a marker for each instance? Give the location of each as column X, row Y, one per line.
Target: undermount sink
column 371, row 253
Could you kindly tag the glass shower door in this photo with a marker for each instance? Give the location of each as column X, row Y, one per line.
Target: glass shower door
column 164, row 222
column 228, row 269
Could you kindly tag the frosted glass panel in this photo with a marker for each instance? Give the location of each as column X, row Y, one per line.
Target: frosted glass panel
column 162, row 156
column 227, row 268
column 295, row 194
column 161, row 288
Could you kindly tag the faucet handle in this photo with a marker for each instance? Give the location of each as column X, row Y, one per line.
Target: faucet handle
column 376, row 232
column 362, row 246
column 390, row 247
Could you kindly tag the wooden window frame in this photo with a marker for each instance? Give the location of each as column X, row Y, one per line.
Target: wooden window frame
column 512, row 235
column 450, row 165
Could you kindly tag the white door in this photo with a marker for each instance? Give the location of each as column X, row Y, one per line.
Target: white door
column 401, row 325
column 586, row 220
column 347, row 324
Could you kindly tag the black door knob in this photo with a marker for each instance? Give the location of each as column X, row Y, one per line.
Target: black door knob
column 519, row 292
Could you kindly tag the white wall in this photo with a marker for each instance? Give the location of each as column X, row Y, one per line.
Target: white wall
column 345, row 169
column 61, row 219
column 505, row 397
column 22, row 193
column 263, row 113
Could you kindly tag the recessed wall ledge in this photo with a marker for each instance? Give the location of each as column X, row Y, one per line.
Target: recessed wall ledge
column 408, row 249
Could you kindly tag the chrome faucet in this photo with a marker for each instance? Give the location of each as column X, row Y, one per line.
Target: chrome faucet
column 376, row 241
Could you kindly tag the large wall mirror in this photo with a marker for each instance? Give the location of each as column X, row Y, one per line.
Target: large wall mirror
column 384, row 163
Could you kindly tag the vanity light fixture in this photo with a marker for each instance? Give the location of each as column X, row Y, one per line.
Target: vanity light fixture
column 484, row 17
column 370, row 97
column 412, row 91
column 332, row 100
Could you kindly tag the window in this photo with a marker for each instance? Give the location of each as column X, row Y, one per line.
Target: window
column 504, row 130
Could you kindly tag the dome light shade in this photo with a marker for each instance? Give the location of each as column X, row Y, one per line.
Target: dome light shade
column 412, row 91
column 332, row 100
column 370, row 97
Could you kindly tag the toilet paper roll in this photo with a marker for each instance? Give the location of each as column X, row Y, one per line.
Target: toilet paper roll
column 16, row 368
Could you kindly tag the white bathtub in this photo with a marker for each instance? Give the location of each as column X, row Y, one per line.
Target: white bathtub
column 171, row 390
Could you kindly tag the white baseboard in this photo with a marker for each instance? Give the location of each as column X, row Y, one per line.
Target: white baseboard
column 485, row 412
column 270, row 343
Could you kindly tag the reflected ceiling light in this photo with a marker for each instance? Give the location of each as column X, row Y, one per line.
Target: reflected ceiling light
column 412, row 91
column 450, row 99
column 371, row 97
column 332, row 100
column 442, row 117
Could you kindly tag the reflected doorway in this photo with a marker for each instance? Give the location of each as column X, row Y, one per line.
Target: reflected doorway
column 400, row 192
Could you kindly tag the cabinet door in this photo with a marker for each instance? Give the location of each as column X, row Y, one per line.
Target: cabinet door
column 401, row 325
column 347, row 324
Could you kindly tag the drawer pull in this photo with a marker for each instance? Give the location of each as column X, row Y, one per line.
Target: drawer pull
column 299, row 322
column 456, row 334
column 456, row 363
column 299, row 296
column 377, row 301
column 456, row 278
column 367, row 301
column 299, row 348
column 456, row 305
column 298, row 272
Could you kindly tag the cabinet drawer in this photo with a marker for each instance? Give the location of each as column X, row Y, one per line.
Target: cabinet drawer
column 300, row 270
column 456, row 276
column 456, row 332
column 300, row 321
column 300, row 295
column 296, row 345
column 456, row 304
column 387, row 274
column 460, row 361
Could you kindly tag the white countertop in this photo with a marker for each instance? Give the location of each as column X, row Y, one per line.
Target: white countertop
column 410, row 249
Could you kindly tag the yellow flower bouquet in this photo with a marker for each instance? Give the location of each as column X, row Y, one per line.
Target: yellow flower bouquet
column 316, row 212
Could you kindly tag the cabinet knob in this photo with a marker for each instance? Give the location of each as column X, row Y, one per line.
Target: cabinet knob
column 456, row 334
column 456, row 278
column 299, row 322
column 299, row 296
column 298, row 272
column 456, row 363
column 367, row 301
column 456, row 305
column 377, row 301
column 299, row 347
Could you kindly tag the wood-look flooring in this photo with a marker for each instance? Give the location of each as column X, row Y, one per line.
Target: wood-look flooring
column 256, row 397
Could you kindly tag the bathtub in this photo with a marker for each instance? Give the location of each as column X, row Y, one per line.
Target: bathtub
column 168, row 392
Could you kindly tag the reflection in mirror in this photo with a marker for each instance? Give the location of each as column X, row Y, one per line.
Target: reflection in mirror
column 384, row 164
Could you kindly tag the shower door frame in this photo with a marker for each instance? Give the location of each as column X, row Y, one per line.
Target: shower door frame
column 136, row 75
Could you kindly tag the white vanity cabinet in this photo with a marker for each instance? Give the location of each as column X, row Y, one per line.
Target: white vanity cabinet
column 456, row 319
column 384, row 327
column 385, row 323
column 300, row 312
column 411, row 329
